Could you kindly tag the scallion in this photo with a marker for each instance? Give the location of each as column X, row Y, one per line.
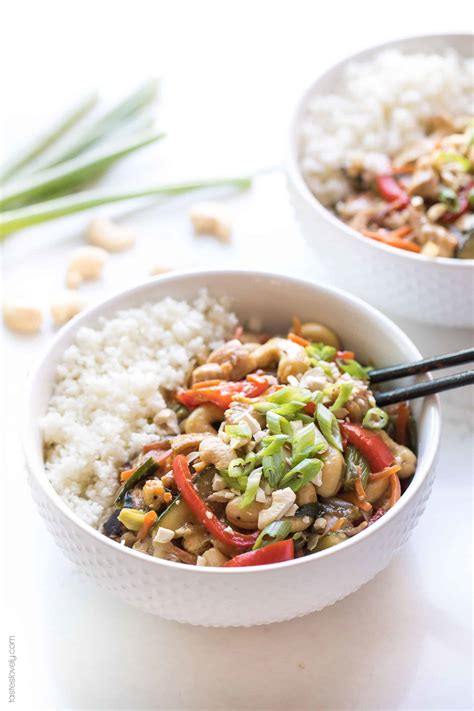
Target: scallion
column 253, row 482
column 344, row 394
column 276, row 531
column 320, row 351
column 329, row 426
column 278, row 424
column 375, row 419
column 309, row 470
column 289, row 394
column 356, row 468
column 354, row 368
column 273, row 468
column 449, row 198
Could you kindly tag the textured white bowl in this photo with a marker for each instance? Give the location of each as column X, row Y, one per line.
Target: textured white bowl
column 436, row 291
column 249, row 596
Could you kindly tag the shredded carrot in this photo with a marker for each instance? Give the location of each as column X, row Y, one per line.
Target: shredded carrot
column 152, row 446
column 395, row 490
column 403, row 415
column 148, row 522
column 404, row 169
column 126, row 474
column 365, row 506
column 384, row 473
column 205, row 384
column 393, row 239
column 167, row 497
column 297, row 339
column 337, row 525
column 359, row 489
column 352, row 498
column 296, row 325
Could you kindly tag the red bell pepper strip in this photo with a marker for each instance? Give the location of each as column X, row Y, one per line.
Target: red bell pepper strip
column 370, row 445
column 203, row 513
column 222, row 394
column 273, row 553
column 390, row 190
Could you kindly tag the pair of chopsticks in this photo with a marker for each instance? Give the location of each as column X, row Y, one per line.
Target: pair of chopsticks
column 409, row 392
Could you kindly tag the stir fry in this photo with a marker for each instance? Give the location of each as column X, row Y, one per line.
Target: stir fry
column 425, row 201
column 278, row 451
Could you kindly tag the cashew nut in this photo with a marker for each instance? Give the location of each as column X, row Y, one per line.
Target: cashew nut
column 214, row 451
column 318, row 333
column 104, row 233
column 65, row 306
column 186, row 442
column 86, row 263
column 291, row 357
column 240, row 358
column 209, row 371
column 404, row 457
column 332, row 472
column 211, row 218
column 282, row 501
column 306, row 495
column 214, row 558
column 245, row 518
column 201, row 419
column 22, row 316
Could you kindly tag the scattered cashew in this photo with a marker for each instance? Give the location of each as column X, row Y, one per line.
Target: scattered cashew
column 66, row 305
column 404, row 457
column 214, row 558
column 332, row 472
column 104, row 233
column 22, row 316
column 187, row 442
column 291, row 357
column 318, row 333
column 86, row 263
column 211, row 218
column 240, row 358
column 214, row 451
column 210, row 371
column 306, row 495
column 246, row 518
column 201, row 419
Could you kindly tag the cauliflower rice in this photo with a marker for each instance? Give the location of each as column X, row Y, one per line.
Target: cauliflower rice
column 110, row 385
column 381, row 106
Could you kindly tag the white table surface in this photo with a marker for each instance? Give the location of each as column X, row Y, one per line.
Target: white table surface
column 232, row 71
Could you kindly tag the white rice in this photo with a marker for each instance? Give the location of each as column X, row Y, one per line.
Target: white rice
column 109, row 385
column 381, row 106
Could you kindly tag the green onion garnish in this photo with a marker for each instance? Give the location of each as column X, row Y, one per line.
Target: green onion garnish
column 289, row 394
column 356, row 468
column 449, row 198
column 354, row 368
column 276, row 531
column 278, row 424
column 274, row 468
column 320, row 351
column 253, row 482
column 375, row 419
column 343, row 396
column 306, row 471
column 329, row 426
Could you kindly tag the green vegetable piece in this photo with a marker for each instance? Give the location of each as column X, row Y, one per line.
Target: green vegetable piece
column 178, row 512
column 343, row 396
column 132, row 518
column 320, row 351
column 253, row 482
column 273, row 468
column 273, row 444
column 354, row 368
column 461, row 160
column 449, row 197
column 303, row 473
column 329, row 426
column 276, row 531
column 144, row 471
column 289, row 394
column 356, row 468
column 329, row 540
column 241, row 430
column 277, row 424
column 375, row 419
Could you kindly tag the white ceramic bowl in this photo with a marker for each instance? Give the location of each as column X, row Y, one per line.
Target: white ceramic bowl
column 246, row 596
column 436, row 291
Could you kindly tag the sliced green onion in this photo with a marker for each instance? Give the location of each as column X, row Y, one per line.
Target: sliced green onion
column 274, row 443
column 253, row 482
column 132, row 518
column 264, row 406
column 278, row 424
column 325, row 367
column 320, row 351
column 240, row 430
column 274, row 468
column 356, row 468
column 375, row 419
column 303, row 443
column 354, row 368
column 276, row 531
column 463, row 162
column 290, row 408
column 288, row 394
column 235, row 468
column 343, row 396
column 449, row 198
column 329, row 426
column 307, row 471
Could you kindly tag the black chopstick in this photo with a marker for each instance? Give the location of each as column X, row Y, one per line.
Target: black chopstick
column 431, row 387
column 379, row 375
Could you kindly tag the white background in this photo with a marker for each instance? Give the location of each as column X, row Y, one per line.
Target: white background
column 232, row 71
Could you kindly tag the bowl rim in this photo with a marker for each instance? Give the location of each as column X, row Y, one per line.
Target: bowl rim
column 30, row 429
column 296, row 176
